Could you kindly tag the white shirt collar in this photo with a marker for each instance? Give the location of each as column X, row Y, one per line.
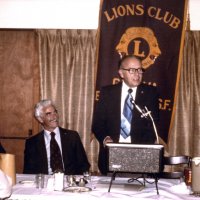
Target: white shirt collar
column 47, row 133
column 125, row 89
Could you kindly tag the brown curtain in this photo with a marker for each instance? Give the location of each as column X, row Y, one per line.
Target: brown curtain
column 185, row 133
column 67, row 75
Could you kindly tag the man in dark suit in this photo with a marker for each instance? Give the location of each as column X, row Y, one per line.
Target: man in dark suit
column 37, row 154
column 109, row 111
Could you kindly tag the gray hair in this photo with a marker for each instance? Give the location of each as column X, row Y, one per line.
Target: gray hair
column 42, row 104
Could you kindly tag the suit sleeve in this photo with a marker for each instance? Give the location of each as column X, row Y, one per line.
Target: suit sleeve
column 143, row 131
column 154, row 104
column 99, row 118
column 83, row 164
column 154, row 108
column 74, row 154
column 33, row 162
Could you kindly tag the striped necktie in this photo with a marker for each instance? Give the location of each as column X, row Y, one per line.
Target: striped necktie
column 126, row 117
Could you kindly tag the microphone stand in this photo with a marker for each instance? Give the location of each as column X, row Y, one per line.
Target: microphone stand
column 154, row 126
column 146, row 113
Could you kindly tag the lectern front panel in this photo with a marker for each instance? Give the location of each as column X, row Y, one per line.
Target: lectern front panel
column 135, row 158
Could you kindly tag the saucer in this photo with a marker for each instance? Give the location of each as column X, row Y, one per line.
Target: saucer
column 77, row 189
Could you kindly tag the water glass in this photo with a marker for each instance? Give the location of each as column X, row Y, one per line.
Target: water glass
column 87, row 176
column 71, row 180
column 39, row 179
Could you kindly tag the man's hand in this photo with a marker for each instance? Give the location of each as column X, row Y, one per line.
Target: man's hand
column 107, row 139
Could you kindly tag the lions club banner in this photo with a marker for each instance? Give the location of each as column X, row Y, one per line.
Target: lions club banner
column 152, row 30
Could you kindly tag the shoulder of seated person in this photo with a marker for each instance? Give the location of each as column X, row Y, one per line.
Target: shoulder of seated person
column 68, row 131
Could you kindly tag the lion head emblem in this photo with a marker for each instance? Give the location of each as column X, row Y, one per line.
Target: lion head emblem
column 134, row 33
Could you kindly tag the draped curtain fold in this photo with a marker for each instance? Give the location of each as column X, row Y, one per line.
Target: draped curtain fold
column 185, row 133
column 67, row 75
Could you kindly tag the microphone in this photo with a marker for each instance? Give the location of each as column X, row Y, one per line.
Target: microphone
column 144, row 113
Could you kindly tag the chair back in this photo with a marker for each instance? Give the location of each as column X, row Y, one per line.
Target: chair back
column 176, row 160
column 173, row 161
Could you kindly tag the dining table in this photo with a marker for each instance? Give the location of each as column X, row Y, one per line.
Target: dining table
column 98, row 188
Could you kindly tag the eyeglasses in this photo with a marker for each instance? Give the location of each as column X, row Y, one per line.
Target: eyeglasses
column 134, row 70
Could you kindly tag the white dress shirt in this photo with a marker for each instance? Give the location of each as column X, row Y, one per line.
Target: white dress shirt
column 124, row 94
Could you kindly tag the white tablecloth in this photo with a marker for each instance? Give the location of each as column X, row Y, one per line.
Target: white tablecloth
column 168, row 189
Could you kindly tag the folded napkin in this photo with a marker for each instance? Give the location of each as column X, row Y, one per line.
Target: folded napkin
column 181, row 188
column 5, row 185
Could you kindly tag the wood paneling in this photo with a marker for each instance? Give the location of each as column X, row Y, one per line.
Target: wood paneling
column 19, row 86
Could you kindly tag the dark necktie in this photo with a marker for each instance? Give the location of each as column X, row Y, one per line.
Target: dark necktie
column 55, row 155
column 126, row 117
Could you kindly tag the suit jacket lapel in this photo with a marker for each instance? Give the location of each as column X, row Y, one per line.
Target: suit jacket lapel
column 43, row 153
column 62, row 140
column 139, row 94
column 117, row 101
